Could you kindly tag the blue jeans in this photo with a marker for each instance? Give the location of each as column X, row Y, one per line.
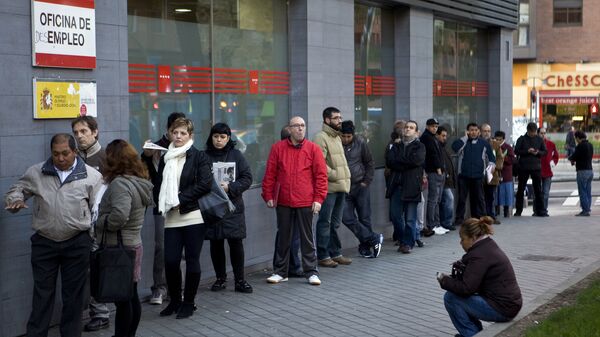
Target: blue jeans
column 330, row 218
column 357, row 215
column 447, row 208
column 584, row 187
column 434, row 195
column 466, row 313
column 404, row 218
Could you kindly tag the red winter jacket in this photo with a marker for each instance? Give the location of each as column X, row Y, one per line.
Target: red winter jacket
column 296, row 176
column 551, row 155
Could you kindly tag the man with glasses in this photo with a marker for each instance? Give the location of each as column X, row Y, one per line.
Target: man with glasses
column 295, row 183
column 549, row 161
column 329, row 247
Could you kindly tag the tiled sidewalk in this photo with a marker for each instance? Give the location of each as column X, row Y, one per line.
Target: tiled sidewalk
column 393, row 295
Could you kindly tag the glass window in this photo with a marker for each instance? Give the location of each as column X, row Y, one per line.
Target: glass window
column 235, row 71
column 522, row 32
column 460, row 86
column 568, row 12
column 374, row 76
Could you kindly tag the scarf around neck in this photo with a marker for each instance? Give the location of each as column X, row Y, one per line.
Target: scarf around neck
column 408, row 139
column 169, row 189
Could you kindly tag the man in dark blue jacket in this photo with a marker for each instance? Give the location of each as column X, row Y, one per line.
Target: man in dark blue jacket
column 474, row 154
column 530, row 149
column 582, row 159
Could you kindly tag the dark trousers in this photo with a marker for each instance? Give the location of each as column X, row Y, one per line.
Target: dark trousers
column 473, row 189
column 490, row 199
column 295, row 264
column 236, row 254
column 191, row 239
column 538, row 194
column 287, row 220
column 357, row 215
column 128, row 315
column 158, row 265
column 72, row 257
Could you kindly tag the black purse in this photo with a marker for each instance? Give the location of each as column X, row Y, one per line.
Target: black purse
column 215, row 204
column 111, row 272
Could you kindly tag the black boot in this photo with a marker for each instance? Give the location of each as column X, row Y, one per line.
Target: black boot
column 506, row 214
column 174, row 285
column 186, row 310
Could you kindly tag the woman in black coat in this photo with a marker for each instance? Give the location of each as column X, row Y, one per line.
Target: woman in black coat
column 236, row 178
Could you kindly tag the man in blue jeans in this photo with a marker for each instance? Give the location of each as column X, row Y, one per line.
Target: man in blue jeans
column 357, row 210
column 329, row 247
column 447, row 202
column 582, row 159
column 405, row 157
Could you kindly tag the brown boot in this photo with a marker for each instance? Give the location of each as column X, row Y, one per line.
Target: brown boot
column 342, row 260
column 328, row 263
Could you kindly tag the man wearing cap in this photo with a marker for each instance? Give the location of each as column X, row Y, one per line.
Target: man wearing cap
column 358, row 200
column 435, row 169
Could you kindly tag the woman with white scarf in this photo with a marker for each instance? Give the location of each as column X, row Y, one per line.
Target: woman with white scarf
column 185, row 176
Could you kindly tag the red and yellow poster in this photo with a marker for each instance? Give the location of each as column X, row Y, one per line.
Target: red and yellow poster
column 63, row 98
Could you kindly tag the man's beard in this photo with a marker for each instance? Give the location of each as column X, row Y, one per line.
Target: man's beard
column 336, row 128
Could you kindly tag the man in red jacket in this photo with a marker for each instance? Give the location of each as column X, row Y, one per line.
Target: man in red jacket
column 295, row 183
column 549, row 161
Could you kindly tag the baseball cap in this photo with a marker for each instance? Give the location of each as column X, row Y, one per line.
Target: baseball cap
column 432, row 121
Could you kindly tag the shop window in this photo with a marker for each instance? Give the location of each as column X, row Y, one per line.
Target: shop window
column 215, row 61
column 460, row 75
column 568, row 12
column 374, row 78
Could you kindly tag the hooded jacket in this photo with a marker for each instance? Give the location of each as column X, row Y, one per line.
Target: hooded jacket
column 360, row 161
column 122, row 208
column 338, row 173
column 60, row 210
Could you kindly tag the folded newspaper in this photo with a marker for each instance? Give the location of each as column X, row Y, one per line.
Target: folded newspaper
column 152, row 146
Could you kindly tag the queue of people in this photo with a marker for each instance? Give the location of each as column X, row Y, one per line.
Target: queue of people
column 329, row 178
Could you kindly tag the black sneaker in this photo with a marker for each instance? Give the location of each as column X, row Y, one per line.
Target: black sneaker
column 378, row 245
column 220, row 284
column 427, row 232
column 419, row 243
column 365, row 252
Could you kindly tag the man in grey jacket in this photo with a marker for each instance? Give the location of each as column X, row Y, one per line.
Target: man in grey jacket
column 63, row 189
column 358, row 201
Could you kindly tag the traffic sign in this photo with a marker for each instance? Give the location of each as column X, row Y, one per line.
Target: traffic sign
column 594, row 108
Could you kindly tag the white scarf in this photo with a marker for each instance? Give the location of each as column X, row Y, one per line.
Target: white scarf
column 169, row 189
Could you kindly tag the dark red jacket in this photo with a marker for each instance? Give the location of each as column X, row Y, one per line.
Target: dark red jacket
column 551, row 155
column 489, row 274
column 507, row 167
column 296, row 175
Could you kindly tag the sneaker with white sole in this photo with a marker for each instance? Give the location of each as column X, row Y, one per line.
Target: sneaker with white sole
column 378, row 245
column 157, row 298
column 314, row 280
column 439, row 230
column 276, row 278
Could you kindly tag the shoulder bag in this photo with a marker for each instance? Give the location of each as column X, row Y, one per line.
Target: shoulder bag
column 111, row 272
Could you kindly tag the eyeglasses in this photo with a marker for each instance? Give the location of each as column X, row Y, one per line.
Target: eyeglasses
column 336, row 118
column 298, row 126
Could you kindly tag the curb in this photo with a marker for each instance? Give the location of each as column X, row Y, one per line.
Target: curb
column 497, row 328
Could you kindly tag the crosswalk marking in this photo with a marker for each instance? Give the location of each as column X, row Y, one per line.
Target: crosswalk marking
column 573, row 200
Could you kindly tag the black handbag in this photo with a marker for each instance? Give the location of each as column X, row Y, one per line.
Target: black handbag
column 215, row 204
column 111, row 272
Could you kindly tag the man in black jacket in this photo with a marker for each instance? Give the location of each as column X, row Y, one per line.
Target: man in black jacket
column 530, row 148
column 151, row 158
column 447, row 200
column 435, row 169
column 358, row 201
column 405, row 158
column 582, row 159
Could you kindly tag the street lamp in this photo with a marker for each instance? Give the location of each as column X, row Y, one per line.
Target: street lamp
column 535, row 98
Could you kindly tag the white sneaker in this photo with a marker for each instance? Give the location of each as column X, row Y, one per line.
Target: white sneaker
column 276, row 278
column 314, row 280
column 157, row 298
column 439, row 230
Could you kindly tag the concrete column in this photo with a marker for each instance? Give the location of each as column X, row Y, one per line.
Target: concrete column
column 500, row 46
column 414, row 64
column 321, row 58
